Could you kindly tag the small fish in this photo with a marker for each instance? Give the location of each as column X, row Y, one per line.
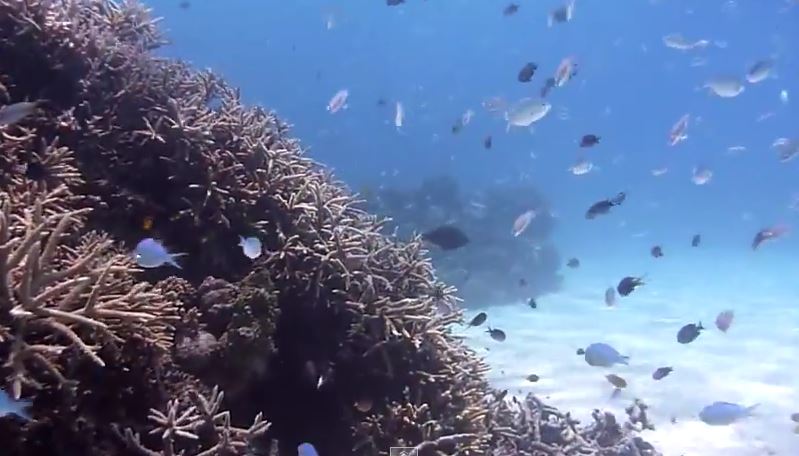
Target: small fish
column 522, row 282
column 394, row 2
column 582, row 167
column 589, row 140
column 526, row 111
column 338, row 101
column 364, row 405
column 610, row 297
column 531, row 302
column 495, row 104
column 767, row 234
column 628, row 284
column 527, row 72
column 488, row 142
column 9, row 406
column 16, row 112
column 549, row 84
column 661, row 373
column 724, row 86
column 701, row 175
column 147, row 223
column 150, row 253
column 677, row 41
column 565, row 71
column 522, row 222
column 696, row 240
column 399, row 115
column 603, row 355
column 306, row 449
column 496, row 334
column 724, row 320
column 787, row 149
column 478, row 319
column 250, row 246
column 532, row 378
column 184, row 5
column 759, row 71
column 573, row 263
column 580, row 351
column 656, row 251
column 510, row 10
column 616, row 381
column 501, row 395
column 784, row 96
column 689, row 333
column 677, row 133
column 604, row 206
column 795, row 417
column 657, row 172
column 447, row 237
column 466, row 117
column 725, row 413
column 561, row 14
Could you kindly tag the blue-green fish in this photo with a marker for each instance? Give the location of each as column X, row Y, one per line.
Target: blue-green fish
column 9, row 406
column 150, row 253
column 724, row 413
column 603, row 355
column 306, row 449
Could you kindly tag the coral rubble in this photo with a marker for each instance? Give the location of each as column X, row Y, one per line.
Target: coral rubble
column 331, row 337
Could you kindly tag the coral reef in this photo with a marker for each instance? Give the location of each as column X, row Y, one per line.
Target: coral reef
column 333, row 336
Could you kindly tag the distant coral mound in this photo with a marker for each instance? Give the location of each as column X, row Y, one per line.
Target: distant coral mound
column 330, row 337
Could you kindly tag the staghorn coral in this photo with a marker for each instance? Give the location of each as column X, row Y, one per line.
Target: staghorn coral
column 334, row 314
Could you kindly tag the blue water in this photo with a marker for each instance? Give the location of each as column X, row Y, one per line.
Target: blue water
column 440, row 58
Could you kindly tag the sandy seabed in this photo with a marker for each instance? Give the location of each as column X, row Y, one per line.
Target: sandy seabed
column 756, row 361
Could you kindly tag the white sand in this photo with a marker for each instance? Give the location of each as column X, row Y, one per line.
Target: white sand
column 755, row 362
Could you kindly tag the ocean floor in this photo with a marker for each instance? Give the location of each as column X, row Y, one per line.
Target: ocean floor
column 756, row 361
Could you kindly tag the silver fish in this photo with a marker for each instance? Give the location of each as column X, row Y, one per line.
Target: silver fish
column 150, row 253
column 526, row 111
column 759, row 71
column 13, row 113
column 725, row 86
column 251, row 247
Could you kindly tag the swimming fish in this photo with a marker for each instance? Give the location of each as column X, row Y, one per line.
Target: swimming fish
column 701, row 175
column 795, row 417
column 689, row 333
column 478, row 319
column 399, row 115
column 532, row 303
column 677, row 41
column 603, row 355
column 250, row 246
column 488, row 142
column 656, row 251
column 589, row 140
column 522, row 222
column 565, row 71
column 696, row 240
column 561, row 14
column 573, row 263
column 306, row 449
column 661, row 373
column 526, row 111
column 724, row 320
column 603, row 207
column 628, row 284
column 13, row 113
column 677, row 133
column 759, row 71
column 787, row 149
column 768, row 234
column 496, row 334
column 150, row 253
column 532, row 378
column 610, row 297
column 364, row 404
column 338, row 101
column 447, row 237
column 582, row 167
column 724, row 86
column 147, row 223
column 725, row 413
column 510, row 10
column 9, row 406
column 548, row 85
column 527, row 72
column 657, row 172
column 616, row 381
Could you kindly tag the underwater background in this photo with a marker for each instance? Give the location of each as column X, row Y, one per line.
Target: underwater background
column 441, row 59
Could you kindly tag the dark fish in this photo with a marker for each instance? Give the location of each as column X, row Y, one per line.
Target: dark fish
column 501, row 395
column 527, row 72
column 478, row 319
column 724, row 320
column 488, row 142
column 628, row 284
column 457, row 126
column 580, row 351
column 381, row 102
column 656, row 251
column 184, row 5
column 610, row 297
column 661, row 372
column 533, row 378
column 767, row 234
column 696, row 240
column 496, row 334
column 394, row 2
column 603, row 207
column 447, row 237
column 510, row 10
column 616, row 381
column 548, row 85
column 589, row 140
column 795, row 417
column 689, row 333
column 531, row 302
column 522, row 282
column 573, row 263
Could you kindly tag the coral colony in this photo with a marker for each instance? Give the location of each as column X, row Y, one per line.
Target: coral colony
column 329, row 338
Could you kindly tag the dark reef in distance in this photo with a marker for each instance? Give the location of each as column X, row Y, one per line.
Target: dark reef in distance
column 222, row 357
